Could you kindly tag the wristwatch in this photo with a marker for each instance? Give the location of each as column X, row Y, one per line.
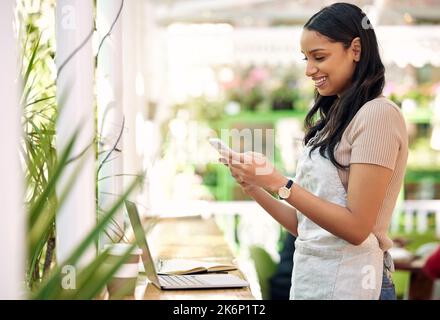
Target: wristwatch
column 284, row 192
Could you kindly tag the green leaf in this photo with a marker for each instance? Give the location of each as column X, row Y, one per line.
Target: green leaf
column 31, row 61
column 51, row 283
column 99, row 273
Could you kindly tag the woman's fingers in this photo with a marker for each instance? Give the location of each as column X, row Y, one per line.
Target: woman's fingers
column 232, row 156
column 224, row 161
column 236, row 172
column 243, row 184
column 238, row 178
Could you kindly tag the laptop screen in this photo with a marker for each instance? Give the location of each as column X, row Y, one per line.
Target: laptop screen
column 141, row 241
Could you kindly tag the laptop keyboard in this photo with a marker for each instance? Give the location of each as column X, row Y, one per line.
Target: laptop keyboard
column 181, row 280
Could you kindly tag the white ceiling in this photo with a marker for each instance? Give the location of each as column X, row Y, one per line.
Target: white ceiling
column 285, row 12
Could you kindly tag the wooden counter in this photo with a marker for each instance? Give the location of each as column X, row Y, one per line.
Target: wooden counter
column 189, row 238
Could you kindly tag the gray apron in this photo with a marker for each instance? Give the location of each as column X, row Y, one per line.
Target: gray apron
column 326, row 266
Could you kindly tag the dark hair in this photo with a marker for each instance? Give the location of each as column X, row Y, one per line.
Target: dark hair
column 342, row 22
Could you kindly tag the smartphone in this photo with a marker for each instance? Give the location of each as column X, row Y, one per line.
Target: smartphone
column 223, row 148
column 219, row 145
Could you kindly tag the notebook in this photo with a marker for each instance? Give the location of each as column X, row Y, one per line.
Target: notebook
column 190, row 281
column 185, row 266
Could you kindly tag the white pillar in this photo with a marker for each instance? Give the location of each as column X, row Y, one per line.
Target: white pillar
column 12, row 222
column 133, row 103
column 77, row 216
column 110, row 113
column 145, row 92
column 156, row 93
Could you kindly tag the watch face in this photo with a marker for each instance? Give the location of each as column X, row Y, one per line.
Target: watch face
column 284, row 192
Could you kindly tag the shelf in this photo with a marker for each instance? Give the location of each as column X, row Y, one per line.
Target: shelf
column 415, row 174
column 259, row 117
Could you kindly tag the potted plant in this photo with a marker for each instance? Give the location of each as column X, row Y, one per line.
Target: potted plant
column 285, row 95
column 43, row 166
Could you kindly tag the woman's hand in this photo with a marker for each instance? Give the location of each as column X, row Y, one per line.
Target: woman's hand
column 253, row 169
column 246, row 187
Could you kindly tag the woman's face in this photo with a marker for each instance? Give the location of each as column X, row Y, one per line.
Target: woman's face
column 329, row 64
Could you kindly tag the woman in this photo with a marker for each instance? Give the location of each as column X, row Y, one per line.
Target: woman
column 348, row 178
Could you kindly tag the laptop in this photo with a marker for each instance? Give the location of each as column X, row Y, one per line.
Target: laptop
column 173, row 282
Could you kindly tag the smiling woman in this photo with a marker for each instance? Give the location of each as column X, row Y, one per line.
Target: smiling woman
column 348, row 178
column 329, row 63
